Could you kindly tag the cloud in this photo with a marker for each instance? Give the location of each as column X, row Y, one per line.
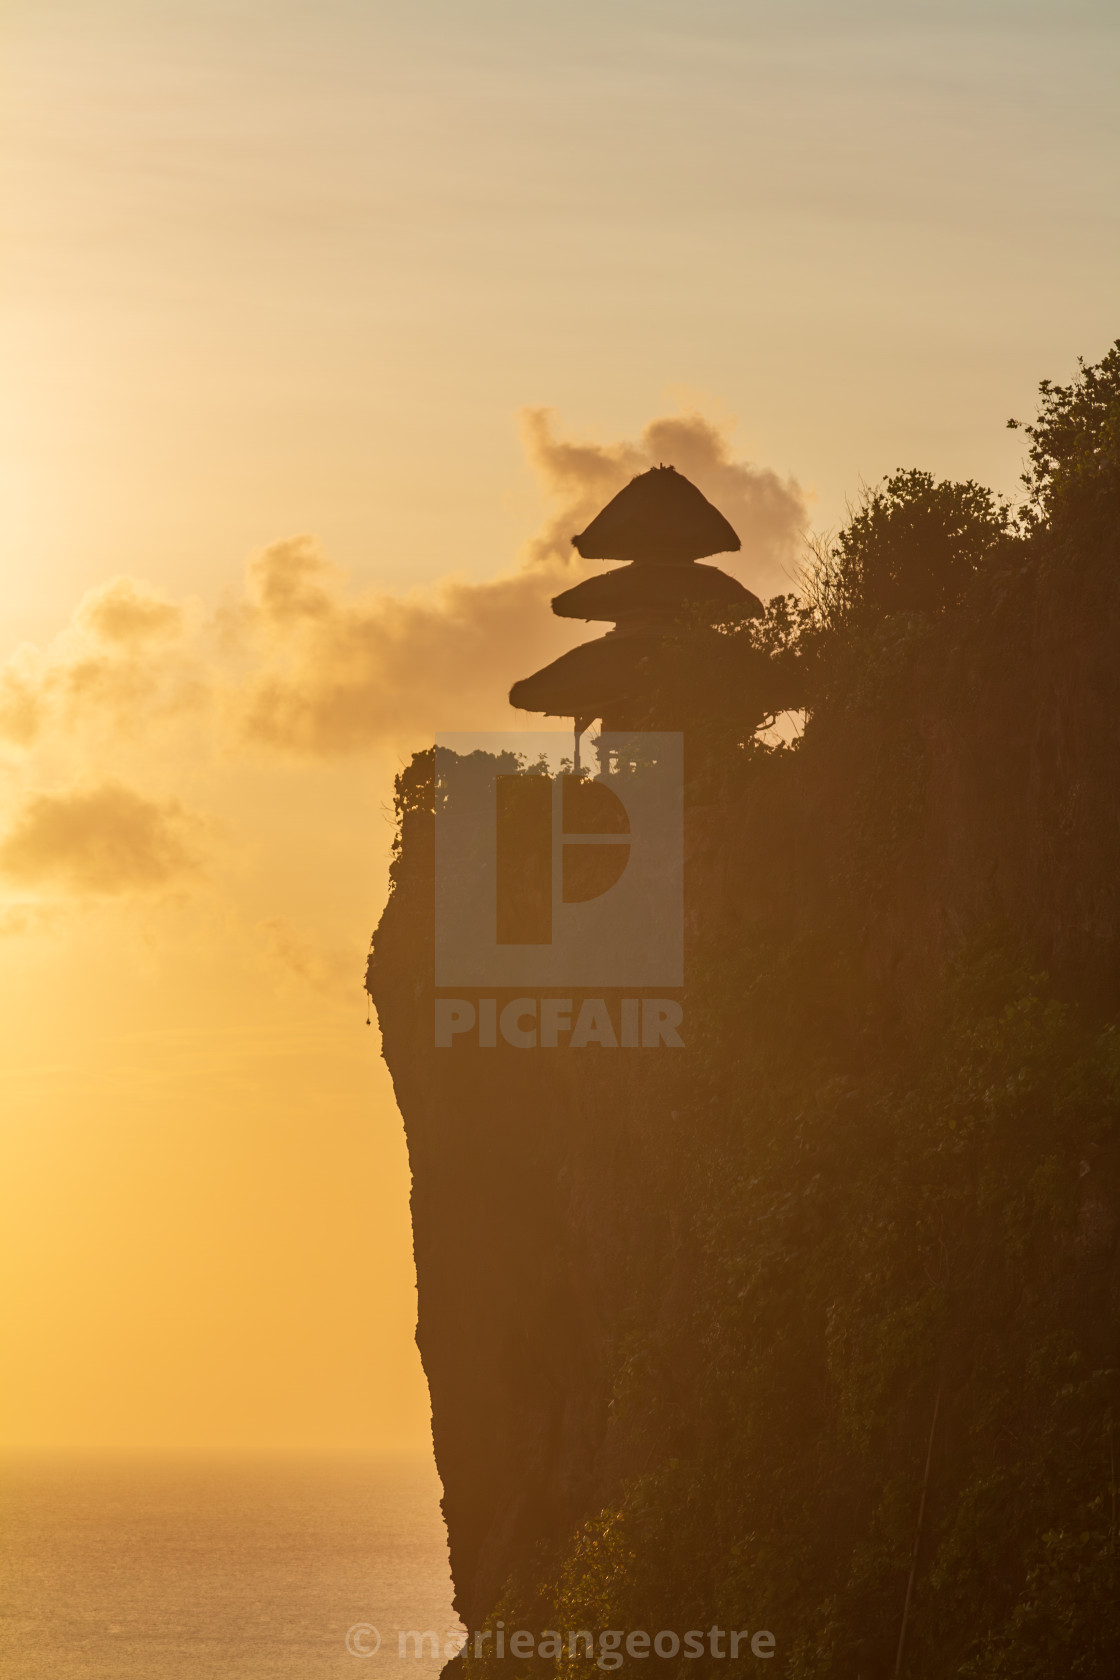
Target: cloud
column 16, row 920
column 122, row 661
column 333, row 973
column 99, row 841
column 769, row 513
column 306, row 667
column 335, row 674
column 302, row 667
column 127, row 613
column 22, row 700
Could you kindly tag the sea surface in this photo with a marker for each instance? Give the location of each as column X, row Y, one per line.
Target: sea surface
column 221, row 1569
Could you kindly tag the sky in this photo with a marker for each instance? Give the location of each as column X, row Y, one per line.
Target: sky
column 324, row 326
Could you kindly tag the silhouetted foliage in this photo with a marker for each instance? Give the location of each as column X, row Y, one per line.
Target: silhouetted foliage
column 1075, row 445
column 915, row 544
column 890, row 1195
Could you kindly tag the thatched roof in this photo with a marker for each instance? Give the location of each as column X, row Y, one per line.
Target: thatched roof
column 590, row 678
column 659, row 516
column 637, row 588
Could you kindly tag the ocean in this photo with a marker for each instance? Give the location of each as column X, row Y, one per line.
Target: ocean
column 222, row 1569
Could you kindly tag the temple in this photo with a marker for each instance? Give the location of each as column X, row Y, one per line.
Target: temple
column 661, row 526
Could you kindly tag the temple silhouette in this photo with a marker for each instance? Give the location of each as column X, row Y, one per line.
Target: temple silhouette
column 662, row 527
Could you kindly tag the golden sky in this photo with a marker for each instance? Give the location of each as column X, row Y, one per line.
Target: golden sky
column 324, row 326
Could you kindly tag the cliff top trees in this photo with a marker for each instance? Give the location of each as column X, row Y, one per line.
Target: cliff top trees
column 914, row 545
column 1075, row 443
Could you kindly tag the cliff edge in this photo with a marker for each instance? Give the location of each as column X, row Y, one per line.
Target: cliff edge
column 812, row 1325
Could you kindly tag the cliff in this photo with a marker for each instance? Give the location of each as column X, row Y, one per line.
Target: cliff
column 812, row 1325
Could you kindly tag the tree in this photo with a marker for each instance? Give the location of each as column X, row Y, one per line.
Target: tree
column 1074, row 472
column 914, row 545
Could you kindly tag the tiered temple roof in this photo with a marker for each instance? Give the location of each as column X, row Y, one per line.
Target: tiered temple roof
column 662, row 526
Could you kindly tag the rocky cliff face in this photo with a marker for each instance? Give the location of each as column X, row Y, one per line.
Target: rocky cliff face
column 687, row 1314
column 541, row 1215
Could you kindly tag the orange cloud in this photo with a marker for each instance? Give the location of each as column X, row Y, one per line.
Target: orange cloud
column 126, row 613
column 769, row 513
column 302, row 666
column 334, row 973
column 19, row 919
column 22, row 701
column 121, row 662
column 305, row 667
column 335, row 674
column 99, row 841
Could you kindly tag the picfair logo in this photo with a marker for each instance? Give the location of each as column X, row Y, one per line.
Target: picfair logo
column 593, row 848
column 546, row 877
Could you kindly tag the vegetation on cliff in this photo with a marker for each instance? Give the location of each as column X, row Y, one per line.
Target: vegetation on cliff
column 877, row 1411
